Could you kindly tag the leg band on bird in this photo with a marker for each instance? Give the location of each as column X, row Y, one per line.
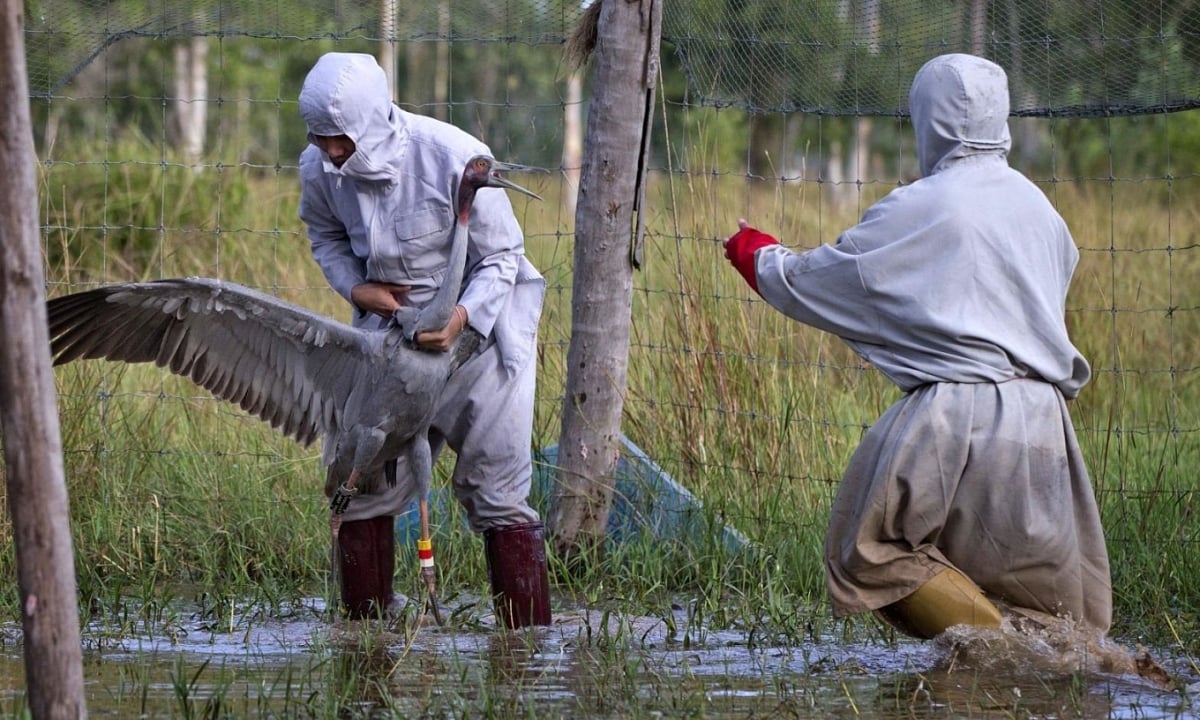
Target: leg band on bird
column 516, row 560
column 340, row 500
column 948, row 598
column 367, row 563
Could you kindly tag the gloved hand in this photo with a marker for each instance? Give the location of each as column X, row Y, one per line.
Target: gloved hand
column 741, row 247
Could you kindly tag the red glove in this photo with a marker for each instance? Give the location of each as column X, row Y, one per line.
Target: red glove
column 740, row 250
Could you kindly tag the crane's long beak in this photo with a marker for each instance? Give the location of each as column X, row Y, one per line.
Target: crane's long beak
column 495, row 180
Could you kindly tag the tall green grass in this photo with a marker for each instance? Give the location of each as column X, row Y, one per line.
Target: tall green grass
column 172, row 491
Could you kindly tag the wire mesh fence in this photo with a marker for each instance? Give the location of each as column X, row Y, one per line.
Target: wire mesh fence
column 168, row 135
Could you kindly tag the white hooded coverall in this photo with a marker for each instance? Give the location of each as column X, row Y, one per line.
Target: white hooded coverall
column 388, row 215
column 955, row 288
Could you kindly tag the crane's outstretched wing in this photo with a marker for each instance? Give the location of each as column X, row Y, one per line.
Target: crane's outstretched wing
column 281, row 362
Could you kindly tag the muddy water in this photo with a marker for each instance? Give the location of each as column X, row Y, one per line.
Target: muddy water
column 590, row 665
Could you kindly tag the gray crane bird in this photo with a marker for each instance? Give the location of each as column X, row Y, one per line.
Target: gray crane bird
column 369, row 394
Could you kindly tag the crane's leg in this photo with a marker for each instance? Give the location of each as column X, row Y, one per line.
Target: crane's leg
column 342, row 496
column 421, row 463
column 425, row 554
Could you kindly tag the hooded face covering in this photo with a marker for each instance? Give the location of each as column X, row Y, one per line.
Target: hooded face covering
column 347, row 94
column 959, row 106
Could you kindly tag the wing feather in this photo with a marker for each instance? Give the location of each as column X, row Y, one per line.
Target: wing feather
column 283, row 363
column 87, row 341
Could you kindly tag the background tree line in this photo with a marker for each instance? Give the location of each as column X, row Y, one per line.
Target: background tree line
column 773, row 88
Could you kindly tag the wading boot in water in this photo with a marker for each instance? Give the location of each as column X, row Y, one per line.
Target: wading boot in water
column 366, row 563
column 516, row 560
column 948, row 598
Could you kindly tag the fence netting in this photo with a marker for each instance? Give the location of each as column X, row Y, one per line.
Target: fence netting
column 1063, row 58
column 790, row 113
column 1103, row 57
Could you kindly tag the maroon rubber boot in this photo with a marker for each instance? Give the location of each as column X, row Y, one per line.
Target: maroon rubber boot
column 367, row 562
column 516, row 560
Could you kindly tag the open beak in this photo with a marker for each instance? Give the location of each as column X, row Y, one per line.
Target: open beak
column 495, row 180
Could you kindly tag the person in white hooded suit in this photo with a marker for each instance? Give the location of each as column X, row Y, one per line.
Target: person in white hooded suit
column 378, row 199
column 970, row 493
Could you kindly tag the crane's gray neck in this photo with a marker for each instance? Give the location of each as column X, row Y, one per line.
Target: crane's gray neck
column 436, row 314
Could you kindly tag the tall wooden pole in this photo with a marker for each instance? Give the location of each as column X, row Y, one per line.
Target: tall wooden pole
column 607, row 248
column 37, row 494
column 387, row 44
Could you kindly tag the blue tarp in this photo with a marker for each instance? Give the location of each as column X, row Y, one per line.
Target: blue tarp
column 647, row 501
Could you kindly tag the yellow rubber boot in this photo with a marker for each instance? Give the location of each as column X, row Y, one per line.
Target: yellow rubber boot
column 948, row 598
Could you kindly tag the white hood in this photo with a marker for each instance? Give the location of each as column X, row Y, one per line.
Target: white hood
column 959, row 105
column 961, row 276
column 347, row 94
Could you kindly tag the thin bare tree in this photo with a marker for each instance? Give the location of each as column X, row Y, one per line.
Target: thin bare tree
column 441, row 65
column 387, row 43
column 572, row 153
column 33, row 470
column 189, row 106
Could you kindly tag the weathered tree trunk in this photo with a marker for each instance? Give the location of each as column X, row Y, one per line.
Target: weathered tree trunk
column 189, row 108
column 37, row 494
column 625, row 65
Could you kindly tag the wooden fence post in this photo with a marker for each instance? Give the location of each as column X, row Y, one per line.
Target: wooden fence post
column 37, row 495
column 607, row 248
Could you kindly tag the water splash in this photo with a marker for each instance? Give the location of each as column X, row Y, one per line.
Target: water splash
column 1030, row 641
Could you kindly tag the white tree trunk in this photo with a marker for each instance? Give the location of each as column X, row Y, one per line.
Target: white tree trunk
column 572, row 154
column 834, row 175
column 190, row 102
column 387, row 43
column 862, row 153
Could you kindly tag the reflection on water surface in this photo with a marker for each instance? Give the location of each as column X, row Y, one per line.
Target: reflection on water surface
column 588, row 665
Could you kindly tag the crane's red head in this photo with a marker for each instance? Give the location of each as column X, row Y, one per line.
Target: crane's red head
column 484, row 171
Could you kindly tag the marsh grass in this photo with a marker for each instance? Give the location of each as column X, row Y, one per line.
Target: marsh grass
column 174, row 494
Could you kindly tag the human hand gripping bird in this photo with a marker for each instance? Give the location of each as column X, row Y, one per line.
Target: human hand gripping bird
column 369, row 394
